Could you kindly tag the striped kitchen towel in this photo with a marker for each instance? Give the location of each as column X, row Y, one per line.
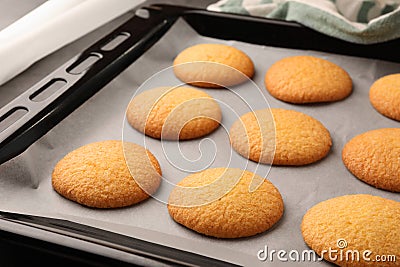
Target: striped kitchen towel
column 357, row 21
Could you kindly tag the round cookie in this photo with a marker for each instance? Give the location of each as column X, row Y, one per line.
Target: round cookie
column 385, row 96
column 354, row 223
column 213, row 66
column 297, row 138
column 307, row 79
column 374, row 157
column 217, row 202
column 174, row 113
column 97, row 175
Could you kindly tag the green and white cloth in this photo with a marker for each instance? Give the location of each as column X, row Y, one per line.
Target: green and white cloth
column 357, row 21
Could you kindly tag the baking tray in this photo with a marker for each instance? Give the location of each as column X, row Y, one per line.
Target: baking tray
column 30, row 207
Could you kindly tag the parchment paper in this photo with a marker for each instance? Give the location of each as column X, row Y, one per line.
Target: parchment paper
column 25, row 184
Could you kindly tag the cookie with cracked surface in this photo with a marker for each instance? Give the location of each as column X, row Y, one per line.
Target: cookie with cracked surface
column 218, row 202
column 374, row 157
column 213, row 66
column 97, row 175
column 174, row 113
column 307, row 79
column 294, row 139
column 354, row 223
column 385, row 96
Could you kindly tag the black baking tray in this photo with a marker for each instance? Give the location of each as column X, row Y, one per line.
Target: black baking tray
column 25, row 119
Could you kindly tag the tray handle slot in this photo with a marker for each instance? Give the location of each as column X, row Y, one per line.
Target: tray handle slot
column 48, row 90
column 84, row 64
column 11, row 117
column 116, row 41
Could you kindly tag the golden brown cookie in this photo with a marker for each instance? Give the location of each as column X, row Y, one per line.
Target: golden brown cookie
column 174, row 113
column 297, row 138
column 374, row 157
column 97, row 175
column 213, row 66
column 307, row 79
column 353, row 225
column 217, row 202
column 385, row 96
